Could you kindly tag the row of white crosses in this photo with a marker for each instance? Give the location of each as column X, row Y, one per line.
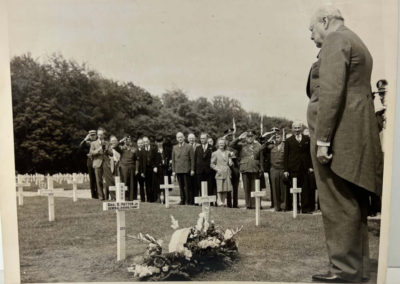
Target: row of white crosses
column 38, row 179
column 120, row 205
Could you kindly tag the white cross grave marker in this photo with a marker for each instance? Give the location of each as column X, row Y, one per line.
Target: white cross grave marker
column 205, row 200
column 294, row 190
column 50, row 196
column 75, row 181
column 166, row 186
column 257, row 195
column 21, row 185
column 120, row 205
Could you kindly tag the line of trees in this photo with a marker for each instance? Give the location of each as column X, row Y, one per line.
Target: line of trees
column 55, row 103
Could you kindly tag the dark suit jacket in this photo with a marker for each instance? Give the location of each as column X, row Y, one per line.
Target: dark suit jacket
column 146, row 159
column 182, row 159
column 202, row 160
column 161, row 160
column 342, row 110
column 297, row 157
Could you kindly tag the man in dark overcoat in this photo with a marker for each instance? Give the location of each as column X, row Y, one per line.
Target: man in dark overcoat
column 345, row 146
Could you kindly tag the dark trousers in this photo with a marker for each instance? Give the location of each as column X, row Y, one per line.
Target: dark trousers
column 140, row 180
column 183, row 181
column 103, row 171
column 344, row 209
column 203, row 177
column 128, row 178
column 270, row 187
column 278, row 189
column 249, row 186
column 375, row 204
column 148, row 181
column 232, row 197
column 92, row 181
column 307, row 195
column 192, row 188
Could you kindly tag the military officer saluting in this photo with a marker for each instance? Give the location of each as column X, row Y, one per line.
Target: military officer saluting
column 250, row 162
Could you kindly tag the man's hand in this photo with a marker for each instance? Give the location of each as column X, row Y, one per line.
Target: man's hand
column 142, row 174
column 192, row 173
column 87, row 137
column 322, row 155
column 286, row 174
column 310, row 170
column 155, row 169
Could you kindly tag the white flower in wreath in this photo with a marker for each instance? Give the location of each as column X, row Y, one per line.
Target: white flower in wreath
column 188, row 253
column 142, row 271
column 228, row 234
column 174, row 223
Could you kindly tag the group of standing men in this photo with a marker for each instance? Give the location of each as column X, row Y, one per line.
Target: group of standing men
column 144, row 165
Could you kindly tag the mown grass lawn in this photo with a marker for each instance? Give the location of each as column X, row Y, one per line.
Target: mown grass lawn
column 81, row 244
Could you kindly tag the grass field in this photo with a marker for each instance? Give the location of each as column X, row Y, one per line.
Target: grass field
column 81, row 244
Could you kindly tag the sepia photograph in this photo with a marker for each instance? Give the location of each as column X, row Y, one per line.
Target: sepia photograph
column 177, row 140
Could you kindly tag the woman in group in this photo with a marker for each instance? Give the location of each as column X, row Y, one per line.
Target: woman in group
column 221, row 162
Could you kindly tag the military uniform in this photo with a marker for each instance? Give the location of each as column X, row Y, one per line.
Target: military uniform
column 250, row 166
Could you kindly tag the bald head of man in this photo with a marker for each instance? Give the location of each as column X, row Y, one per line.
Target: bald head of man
column 325, row 20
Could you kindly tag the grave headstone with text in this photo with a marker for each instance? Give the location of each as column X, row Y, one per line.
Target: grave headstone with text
column 120, row 205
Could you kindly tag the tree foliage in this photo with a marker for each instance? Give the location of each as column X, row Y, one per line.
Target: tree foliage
column 55, row 103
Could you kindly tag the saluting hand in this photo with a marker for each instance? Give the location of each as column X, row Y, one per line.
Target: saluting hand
column 322, row 155
column 243, row 135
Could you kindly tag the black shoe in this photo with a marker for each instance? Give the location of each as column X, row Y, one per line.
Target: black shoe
column 328, row 278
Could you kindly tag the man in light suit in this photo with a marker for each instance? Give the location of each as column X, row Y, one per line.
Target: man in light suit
column 345, row 146
column 183, row 166
column 202, row 169
column 85, row 144
column 100, row 151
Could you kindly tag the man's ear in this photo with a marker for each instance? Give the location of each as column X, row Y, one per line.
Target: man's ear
column 325, row 22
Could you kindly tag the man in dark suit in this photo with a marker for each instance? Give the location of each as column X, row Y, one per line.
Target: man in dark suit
column 85, row 144
column 100, row 151
column 192, row 179
column 345, row 145
column 139, row 178
column 297, row 164
column 202, row 169
column 183, row 166
column 161, row 166
column 146, row 166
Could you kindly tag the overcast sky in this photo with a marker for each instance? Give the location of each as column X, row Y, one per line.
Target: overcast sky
column 258, row 52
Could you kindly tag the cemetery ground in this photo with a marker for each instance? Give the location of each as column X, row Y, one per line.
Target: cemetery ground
column 80, row 245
